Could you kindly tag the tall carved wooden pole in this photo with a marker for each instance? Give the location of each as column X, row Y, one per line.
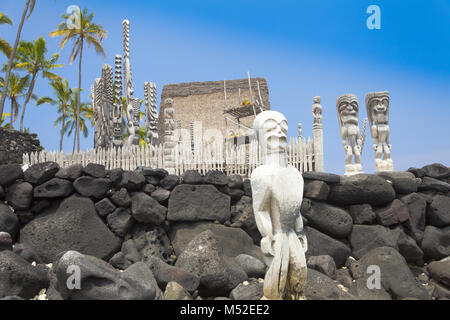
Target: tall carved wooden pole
column 151, row 113
column 318, row 135
column 117, row 111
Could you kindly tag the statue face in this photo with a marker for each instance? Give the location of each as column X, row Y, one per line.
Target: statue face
column 348, row 110
column 274, row 130
column 379, row 105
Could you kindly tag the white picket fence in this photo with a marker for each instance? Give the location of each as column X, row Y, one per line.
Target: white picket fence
column 240, row 160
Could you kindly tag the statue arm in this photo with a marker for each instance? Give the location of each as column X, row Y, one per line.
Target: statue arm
column 300, row 232
column 261, row 206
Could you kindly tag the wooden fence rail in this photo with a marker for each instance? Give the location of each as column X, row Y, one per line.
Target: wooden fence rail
column 240, row 160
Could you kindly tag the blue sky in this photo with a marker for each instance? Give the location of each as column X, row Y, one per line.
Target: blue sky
column 302, row 48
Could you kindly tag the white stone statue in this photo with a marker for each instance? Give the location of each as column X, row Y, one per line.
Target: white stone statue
column 317, row 110
column 151, row 113
column 347, row 108
column 117, row 111
column 277, row 197
column 377, row 104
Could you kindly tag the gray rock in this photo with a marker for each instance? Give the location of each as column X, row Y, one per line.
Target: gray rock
column 242, row 217
column 329, row 178
column 54, row 188
column 324, row 264
column 158, row 173
column 247, row 188
column 20, row 278
column 100, row 281
column 408, row 247
column 218, row 274
column 26, row 252
column 233, row 241
column 362, row 214
column 321, row 244
column 2, row 193
column 41, row 172
column 434, row 184
column 192, row 177
column 169, row 182
column 176, row 292
column 437, row 171
column 436, row 242
column 9, row 173
column 20, row 196
column 195, row 203
column 417, row 206
column 216, row 177
column 360, row 290
column 403, row 182
column 132, row 181
column 145, row 209
column 395, row 213
column 164, row 274
column 440, row 292
column 440, row 271
column 104, row 207
column 142, row 272
column 120, row 221
column 127, row 256
column 235, row 194
column 235, row 181
column 344, row 277
column 161, row 195
column 74, row 172
column 331, row 220
column 115, row 175
column 321, row 287
column 121, row 198
column 152, row 241
column 253, row 267
column 418, row 173
column 396, row 277
column 438, row 213
column 73, row 225
column 149, row 189
column 250, row 290
column 91, row 187
column 362, row 188
column 8, row 221
column 363, row 239
column 316, row 189
column 95, row 170
column 5, row 241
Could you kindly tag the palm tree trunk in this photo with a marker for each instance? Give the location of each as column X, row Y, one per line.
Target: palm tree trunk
column 62, row 129
column 77, row 132
column 11, row 58
column 30, row 92
column 12, row 114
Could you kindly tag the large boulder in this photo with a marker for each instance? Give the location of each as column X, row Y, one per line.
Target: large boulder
column 434, row 184
column 316, row 189
column 396, row 277
column 121, row 198
column 331, row 220
column 218, row 274
column 9, row 222
column 9, row 173
column 195, row 203
column 321, row 287
column 99, row 280
column 54, row 188
column 395, row 213
column 71, row 225
column 120, row 221
column 104, row 207
column 360, row 290
column 436, row 242
column 248, row 290
column 417, row 206
column 403, row 182
column 438, row 213
column 233, row 241
column 132, row 181
column 145, row 209
column 321, row 244
column 170, row 182
column 324, row 264
column 437, row 171
column 365, row 238
column 19, row 278
column 41, row 172
column 95, row 170
column 408, row 247
column 329, row 178
column 362, row 188
column 20, row 196
column 216, row 177
column 165, row 273
column 176, row 292
column 192, row 177
column 92, row 187
column 252, row 266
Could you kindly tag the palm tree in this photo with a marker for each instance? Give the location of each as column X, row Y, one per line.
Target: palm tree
column 31, row 56
column 2, row 120
column 73, row 118
column 84, row 30
column 16, row 89
column 64, row 96
column 29, row 7
column 5, row 47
